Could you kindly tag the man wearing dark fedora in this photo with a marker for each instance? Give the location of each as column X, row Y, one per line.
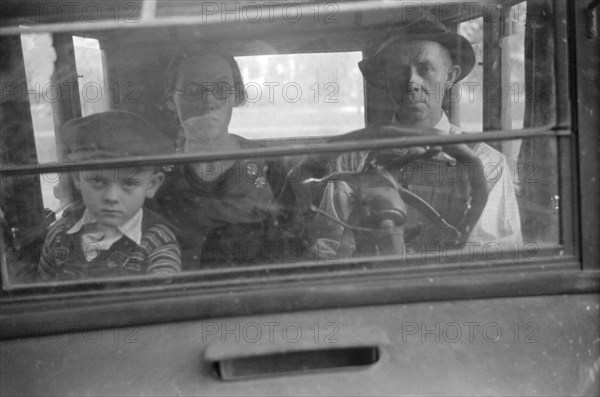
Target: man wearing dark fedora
column 416, row 68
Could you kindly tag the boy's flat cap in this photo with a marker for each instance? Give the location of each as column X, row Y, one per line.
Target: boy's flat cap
column 112, row 134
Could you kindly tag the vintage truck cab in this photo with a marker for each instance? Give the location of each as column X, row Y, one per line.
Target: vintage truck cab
column 468, row 318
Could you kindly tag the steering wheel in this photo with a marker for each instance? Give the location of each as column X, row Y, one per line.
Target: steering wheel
column 464, row 155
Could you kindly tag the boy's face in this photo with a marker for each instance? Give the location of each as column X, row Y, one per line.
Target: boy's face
column 113, row 196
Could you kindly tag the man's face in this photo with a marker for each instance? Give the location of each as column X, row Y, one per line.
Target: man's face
column 203, row 84
column 113, row 196
column 417, row 75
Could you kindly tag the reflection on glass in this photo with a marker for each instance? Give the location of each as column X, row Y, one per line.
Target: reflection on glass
column 512, row 86
column 431, row 200
column 471, row 88
column 494, row 199
column 39, row 57
column 93, row 93
column 303, row 94
column 414, row 204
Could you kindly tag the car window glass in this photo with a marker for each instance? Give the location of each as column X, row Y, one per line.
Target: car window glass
column 305, row 95
column 313, row 169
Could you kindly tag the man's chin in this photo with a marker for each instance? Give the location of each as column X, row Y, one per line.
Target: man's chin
column 414, row 114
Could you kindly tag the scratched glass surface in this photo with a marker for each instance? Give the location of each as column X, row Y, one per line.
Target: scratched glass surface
column 430, row 203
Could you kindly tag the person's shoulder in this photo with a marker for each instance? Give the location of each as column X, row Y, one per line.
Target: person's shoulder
column 246, row 143
column 176, row 188
column 352, row 161
column 276, row 167
column 57, row 230
column 69, row 217
column 174, row 178
column 159, row 244
column 155, row 225
column 486, row 153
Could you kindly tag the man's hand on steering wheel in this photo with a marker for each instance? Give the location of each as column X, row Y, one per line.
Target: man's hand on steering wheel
column 395, row 158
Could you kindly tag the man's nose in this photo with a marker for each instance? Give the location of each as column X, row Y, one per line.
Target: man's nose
column 413, row 81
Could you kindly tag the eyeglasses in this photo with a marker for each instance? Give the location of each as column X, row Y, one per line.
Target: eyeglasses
column 201, row 92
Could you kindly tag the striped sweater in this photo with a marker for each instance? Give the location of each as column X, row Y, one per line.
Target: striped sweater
column 63, row 258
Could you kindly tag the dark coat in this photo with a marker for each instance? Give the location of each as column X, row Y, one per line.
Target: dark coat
column 248, row 215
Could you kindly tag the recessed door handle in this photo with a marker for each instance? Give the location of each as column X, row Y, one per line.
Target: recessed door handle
column 352, row 348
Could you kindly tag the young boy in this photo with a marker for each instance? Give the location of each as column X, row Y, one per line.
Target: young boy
column 110, row 233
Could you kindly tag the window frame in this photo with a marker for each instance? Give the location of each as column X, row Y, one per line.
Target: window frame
column 576, row 273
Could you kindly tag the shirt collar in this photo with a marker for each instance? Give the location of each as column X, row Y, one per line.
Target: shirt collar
column 132, row 229
column 443, row 124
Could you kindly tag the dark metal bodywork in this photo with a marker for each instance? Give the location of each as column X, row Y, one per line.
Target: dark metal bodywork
column 502, row 346
column 483, row 328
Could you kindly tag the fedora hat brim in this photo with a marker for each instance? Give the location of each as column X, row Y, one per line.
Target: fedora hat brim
column 374, row 68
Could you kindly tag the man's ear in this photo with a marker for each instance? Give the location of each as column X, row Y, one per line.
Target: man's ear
column 155, row 182
column 453, row 73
